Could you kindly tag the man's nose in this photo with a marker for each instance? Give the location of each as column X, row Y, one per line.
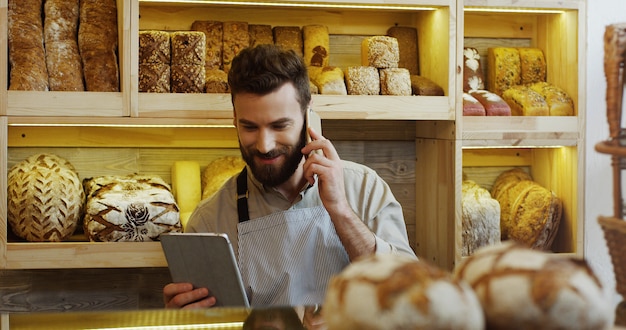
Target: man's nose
column 266, row 141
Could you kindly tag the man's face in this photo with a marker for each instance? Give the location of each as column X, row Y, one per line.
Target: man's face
column 271, row 133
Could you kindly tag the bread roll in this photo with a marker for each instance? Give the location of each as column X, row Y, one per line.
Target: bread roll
column 330, row 81
column 154, row 47
column 260, row 34
column 481, row 217
column 44, row 198
column 407, row 47
column 98, row 45
column 27, row 61
column 473, row 77
column 423, row 86
column 216, row 82
column 188, row 47
column 289, row 37
column 503, row 69
column 154, row 78
column 187, row 78
column 362, row 80
column 559, row 102
column 471, row 106
column 520, row 288
column 493, row 103
column 217, row 172
column 532, row 65
column 236, row 38
column 380, row 52
column 525, row 101
column 316, row 45
column 391, row 291
column 395, row 81
column 214, row 34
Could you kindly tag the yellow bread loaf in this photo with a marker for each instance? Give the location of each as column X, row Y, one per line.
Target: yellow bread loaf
column 503, row 69
column 316, row 45
column 186, row 186
column 330, row 81
column 559, row 102
column 525, row 101
column 218, row 171
column 532, row 65
column 380, row 52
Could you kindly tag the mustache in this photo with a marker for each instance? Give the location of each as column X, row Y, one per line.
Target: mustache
column 268, row 155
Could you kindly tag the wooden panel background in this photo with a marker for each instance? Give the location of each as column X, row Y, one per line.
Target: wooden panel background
column 392, row 155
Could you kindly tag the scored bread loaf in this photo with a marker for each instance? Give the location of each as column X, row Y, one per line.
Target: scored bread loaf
column 214, row 33
column 154, row 78
column 154, row 47
column 493, row 103
column 98, row 45
column 407, row 47
column 260, row 34
column 216, row 81
column 380, row 52
column 471, row 106
column 473, row 77
column 187, row 78
column 503, row 69
column 421, row 85
column 525, row 101
column 289, row 38
column 188, row 47
column 481, row 217
column 27, row 58
column 63, row 61
column 559, row 102
column 330, row 81
column 316, row 43
column 395, row 81
column 532, row 65
column 235, row 39
column 44, row 198
column 362, row 80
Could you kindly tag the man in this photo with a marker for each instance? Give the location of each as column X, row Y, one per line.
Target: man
column 301, row 216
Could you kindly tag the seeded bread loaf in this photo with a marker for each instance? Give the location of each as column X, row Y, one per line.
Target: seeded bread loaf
column 532, row 65
column 187, row 78
column 289, row 37
column 235, row 39
column 154, row 47
column 559, row 102
column 395, row 81
column 216, row 81
column 260, row 34
column 380, row 52
column 188, row 47
column 214, row 34
column 362, row 80
column 503, row 69
column 525, row 101
column 154, row 78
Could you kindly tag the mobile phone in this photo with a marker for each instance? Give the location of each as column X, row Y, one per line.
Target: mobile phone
column 312, row 120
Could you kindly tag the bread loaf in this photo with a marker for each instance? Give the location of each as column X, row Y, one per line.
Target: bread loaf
column 407, row 47
column 235, row 39
column 525, row 101
column 473, row 77
column 27, row 61
column 214, row 34
column 98, row 45
column 188, row 47
column 63, row 61
column 471, row 106
column 186, row 187
column 260, row 34
column 520, row 288
column 423, row 86
column 216, row 81
column 392, row 291
column 316, row 45
column 289, row 37
column 362, row 80
column 217, row 172
column 154, row 47
column 481, row 217
column 330, row 81
column 380, row 52
column 506, row 180
column 559, row 102
column 154, row 78
column 44, row 198
column 187, row 78
column 532, row 65
column 493, row 103
column 395, row 81
column 135, row 208
column 503, row 69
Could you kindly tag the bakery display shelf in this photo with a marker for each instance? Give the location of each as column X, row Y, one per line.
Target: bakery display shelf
column 45, row 104
column 529, row 4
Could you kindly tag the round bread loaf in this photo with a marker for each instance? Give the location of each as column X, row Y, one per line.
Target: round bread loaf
column 45, row 198
column 218, row 171
column 481, row 217
column 397, row 292
column 522, row 288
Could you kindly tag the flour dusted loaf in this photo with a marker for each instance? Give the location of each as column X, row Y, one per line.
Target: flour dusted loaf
column 390, row 291
column 473, row 76
column 521, row 288
column 421, row 85
column 481, row 217
column 407, row 47
column 98, row 45
column 129, row 208
column 559, row 102
column 395, row 81
column 471, row 106
column 532, row 65
column 27, row 59
column 493, row 103
column 362, row 80
column 316, row 41
column 380, row 52
column 503, row 69
column 235, row 39
column 214, row 34
column 217, row 172
column 525, row 102
column 44, row 198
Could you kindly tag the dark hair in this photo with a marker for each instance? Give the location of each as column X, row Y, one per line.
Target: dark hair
column 264, row 68
column 288, row 315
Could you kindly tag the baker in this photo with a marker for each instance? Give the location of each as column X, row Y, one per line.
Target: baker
column 295, row 217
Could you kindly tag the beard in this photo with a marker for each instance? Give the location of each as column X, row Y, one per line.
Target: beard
column 274, row 175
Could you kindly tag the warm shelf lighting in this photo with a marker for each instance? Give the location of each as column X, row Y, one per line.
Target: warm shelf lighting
column 124, row 125
column 513, row 10
column 293, row 4
column 229, row 325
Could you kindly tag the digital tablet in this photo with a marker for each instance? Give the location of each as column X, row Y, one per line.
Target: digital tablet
column 205, row 260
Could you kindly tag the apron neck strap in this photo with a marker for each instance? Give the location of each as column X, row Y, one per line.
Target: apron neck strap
column 242, row 195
